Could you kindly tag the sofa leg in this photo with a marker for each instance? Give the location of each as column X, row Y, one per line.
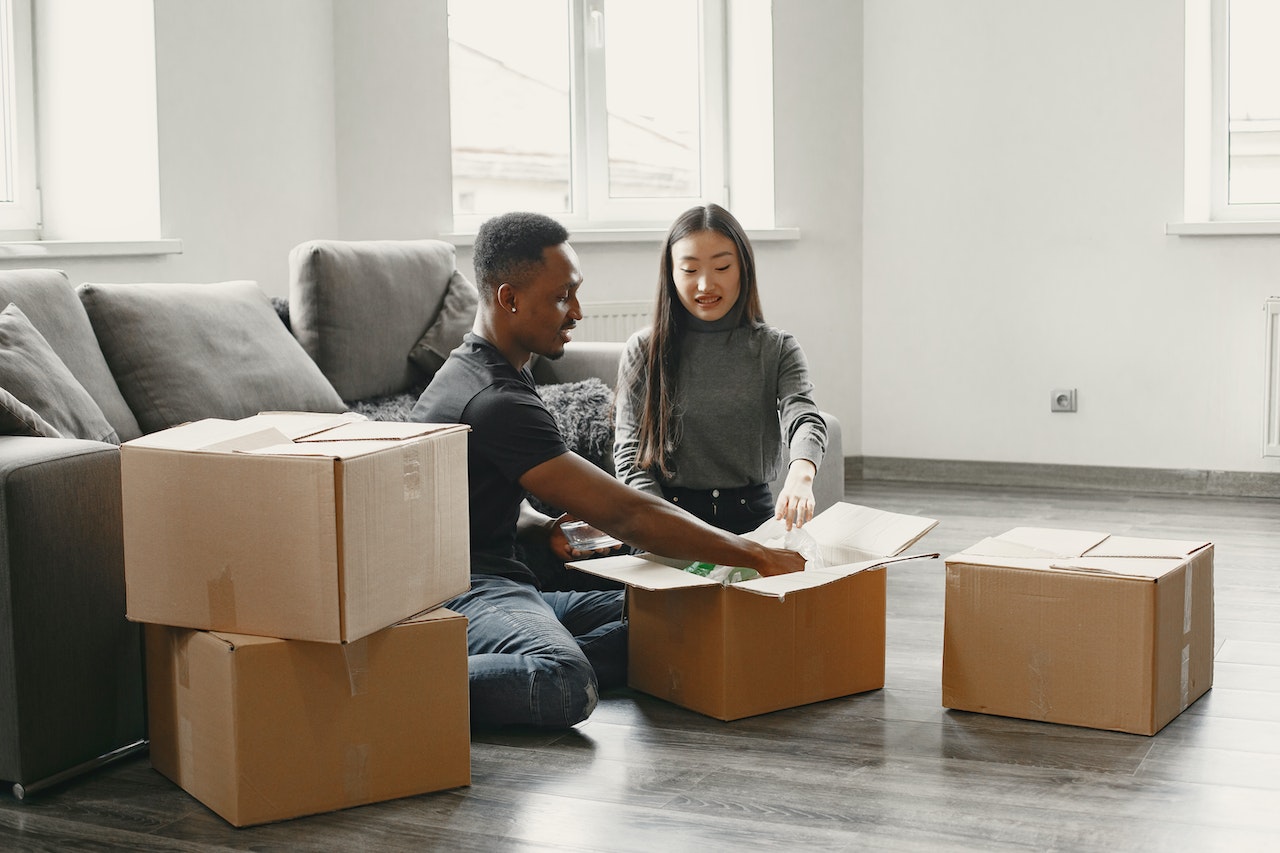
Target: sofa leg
column 22, row 791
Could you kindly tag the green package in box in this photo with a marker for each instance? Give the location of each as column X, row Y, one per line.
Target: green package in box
column 725, row 574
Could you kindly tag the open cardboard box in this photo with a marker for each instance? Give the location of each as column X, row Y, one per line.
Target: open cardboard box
column 772, row 642
column 1079, row 627
column 294, row 525
column 260, row 729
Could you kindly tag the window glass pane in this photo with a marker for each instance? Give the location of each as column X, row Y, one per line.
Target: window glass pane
column 652, row 59
column 509, row 105
column 1254, row 103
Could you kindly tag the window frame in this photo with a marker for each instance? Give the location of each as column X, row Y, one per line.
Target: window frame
column 589, row 201
column 20, row 217
column 1207, row 115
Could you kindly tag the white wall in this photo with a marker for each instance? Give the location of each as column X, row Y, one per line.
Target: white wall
column 392, row 96
column 1021, row 160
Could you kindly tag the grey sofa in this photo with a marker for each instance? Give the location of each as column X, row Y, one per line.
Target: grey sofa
column 154, row 355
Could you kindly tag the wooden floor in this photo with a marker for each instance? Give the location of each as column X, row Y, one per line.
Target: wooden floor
column 886, row 770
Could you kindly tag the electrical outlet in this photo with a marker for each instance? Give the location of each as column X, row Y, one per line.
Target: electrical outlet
column 1062, row 400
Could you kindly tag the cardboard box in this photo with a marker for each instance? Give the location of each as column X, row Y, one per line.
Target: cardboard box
column 1078, row 627
column 770, row 643
column 260, row 729
column 297, row 526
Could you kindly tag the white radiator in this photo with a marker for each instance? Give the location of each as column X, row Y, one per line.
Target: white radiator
column 1271, row 393
column 612, row 321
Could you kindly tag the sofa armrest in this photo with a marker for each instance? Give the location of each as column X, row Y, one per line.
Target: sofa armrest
column 70, row 664
column 581, row 360
column 828, row 485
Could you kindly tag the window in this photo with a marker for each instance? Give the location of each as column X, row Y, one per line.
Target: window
column 96, row 66
column 599, row 112
column 1253, row 103
column 19, row 199
column 1233, row 110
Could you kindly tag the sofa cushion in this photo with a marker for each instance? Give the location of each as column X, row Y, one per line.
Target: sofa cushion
column 359, row 307
column 32, row 373
column 457, row 316
column 182, row 352
column 50, row 303
column 17, row 418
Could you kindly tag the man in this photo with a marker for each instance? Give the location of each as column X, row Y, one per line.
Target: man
column 540, row 658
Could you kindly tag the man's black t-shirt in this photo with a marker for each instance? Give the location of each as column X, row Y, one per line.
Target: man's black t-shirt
column 511, row 432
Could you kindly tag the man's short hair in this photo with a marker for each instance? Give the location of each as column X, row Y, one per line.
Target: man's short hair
column 508, row 246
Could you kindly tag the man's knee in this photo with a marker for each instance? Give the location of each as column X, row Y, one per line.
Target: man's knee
column 564, row 693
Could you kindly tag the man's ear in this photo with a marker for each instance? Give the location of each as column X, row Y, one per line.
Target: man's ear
column 505, row 296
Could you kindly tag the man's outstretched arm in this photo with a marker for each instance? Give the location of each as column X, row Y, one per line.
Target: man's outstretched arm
column 647, row 522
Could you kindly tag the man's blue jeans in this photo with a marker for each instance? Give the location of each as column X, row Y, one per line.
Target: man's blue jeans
column 540, row 658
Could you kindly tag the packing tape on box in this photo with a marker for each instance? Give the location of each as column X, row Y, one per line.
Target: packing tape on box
column 181, row 666
column 412, row 472
column 221, row 593
column 1188, row 588
column 356, row 654
column 355, row 772
column 1186, row 676
column 186, row 747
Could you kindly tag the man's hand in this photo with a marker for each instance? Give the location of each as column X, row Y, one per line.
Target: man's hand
column 780, row 562
column 559, row 543
column 795, row 504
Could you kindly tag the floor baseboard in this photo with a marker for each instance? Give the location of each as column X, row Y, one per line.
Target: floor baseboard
column 1251, row 484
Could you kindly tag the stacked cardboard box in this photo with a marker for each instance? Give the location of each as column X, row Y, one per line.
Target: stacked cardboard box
column 773, row 642
column 1079, row 627
column 285, row 565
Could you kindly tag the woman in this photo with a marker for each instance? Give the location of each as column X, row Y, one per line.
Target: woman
column 711, row 401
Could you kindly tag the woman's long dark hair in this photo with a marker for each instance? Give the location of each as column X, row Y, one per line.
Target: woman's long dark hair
column 658, row 430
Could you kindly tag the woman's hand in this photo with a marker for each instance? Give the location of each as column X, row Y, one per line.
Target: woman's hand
column 795, row 504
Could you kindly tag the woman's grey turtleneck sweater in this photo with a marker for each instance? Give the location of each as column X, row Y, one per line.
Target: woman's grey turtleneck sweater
column 739, row 391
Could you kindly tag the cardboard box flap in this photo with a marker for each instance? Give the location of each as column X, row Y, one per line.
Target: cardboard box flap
column 1035, row 543
column 1032, row 563
column 246, row 443
column 298, row 425
column 1150, row 568
column 1130, row 546
column 379, row 431
column 654, row 573
column 777, row 586
column 643, row 572
column 435, row 614
column 848, row 533
column 321, row 449
column 235, row 641
column 212, row 434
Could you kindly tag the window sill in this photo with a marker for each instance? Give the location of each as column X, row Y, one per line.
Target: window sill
column 1222, row 228
column 636, row 235
column 87, row 248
